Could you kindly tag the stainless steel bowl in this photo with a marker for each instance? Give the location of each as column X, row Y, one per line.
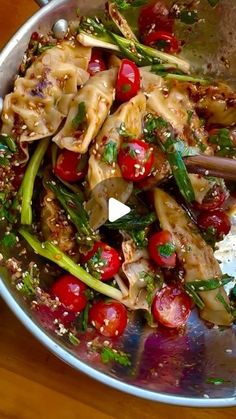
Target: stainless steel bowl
column 166, row 367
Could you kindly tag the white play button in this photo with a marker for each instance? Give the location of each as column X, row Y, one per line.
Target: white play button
column 116, row 210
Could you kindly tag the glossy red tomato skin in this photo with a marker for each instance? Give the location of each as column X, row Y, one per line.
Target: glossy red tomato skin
column 216, row 201
column 96, row 63
column 155, row 16
column 71, row 293
column 128, row 81
column 171, row 307
column 159, row 239
column 109, row 318
column 71, row 167
column 110, row 256
column 136, row 159
column 217, row 219
column 172, row 45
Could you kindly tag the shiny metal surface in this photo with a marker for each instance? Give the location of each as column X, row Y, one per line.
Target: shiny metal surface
column 166, row 366
column 60, row 28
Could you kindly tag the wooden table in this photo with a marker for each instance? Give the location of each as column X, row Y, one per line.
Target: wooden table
column 33, row 383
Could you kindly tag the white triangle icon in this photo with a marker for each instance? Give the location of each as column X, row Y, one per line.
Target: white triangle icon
column 116, row 210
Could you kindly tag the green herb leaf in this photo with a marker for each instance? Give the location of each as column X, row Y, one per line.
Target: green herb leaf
column 210, row 284
column 223, row 302
column 166, row 250
column 82, row 319
column 215, row 381
column 152, row 283
column 225, row 145
column 30, row 281
column 125, row 5
column 81, row 115
column 197, row 300
column 123, row 131
column 9, row 240
column 132, row 221
column 44, row 48
column 110, row 152
column 96, row 264
column 73, row 339
column 110, row 354
column 7, row 142
column 189, row 16
column 152, row 124
column 140, row 238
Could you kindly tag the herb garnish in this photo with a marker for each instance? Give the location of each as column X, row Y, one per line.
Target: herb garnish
column 152, row 283
column 110, row 152
column 225, row 145
column 80, row 117
column 73, row 339
column 189, row 16
column 215, row 381
column 152, row 124
column 9, row 240
column 110, row 354
column 166, row 250
column 30, row 281
column 123, row 131
column 223, row 302
column 210, row 284
column 7, row 148
column 125, row 5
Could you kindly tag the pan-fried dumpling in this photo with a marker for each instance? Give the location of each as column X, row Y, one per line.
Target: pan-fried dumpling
column 97, row 97
column 196, row 256
column 129, row 117
column 41, row 99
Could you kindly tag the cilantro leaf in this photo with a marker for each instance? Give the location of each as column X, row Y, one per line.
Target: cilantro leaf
column 80, row 117
column 110, row 152
column 152, row 124
column 152, row 283
column 73, row 339
column 166, row 250
column 123, row 131
column 110, row 354
column 125, row 5
column 216, row 381
column 30, row 281
column 9, row 240
column 225, row 145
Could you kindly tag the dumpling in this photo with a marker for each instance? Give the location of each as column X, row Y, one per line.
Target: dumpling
column 41, row 99
column 129, row 116
column 196, row 256
column 97, row 96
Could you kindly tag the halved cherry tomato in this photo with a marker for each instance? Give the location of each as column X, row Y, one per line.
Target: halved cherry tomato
column 162, row 249
column 171, row 307
column 96, row 63
column 71, row 166
column 105, row 259
column 164, row 41
column 136, row 160
column 109, row 318
column 216, row 220
column 71, row 292
column 155, row 16
column 47, row 316
column 128, row 81
column 214, row 200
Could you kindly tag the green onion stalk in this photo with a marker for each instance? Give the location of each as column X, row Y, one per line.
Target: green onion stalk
column 54, row 254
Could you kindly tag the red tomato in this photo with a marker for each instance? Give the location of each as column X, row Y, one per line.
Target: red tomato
column 96, row 63
column 164, row 41
column 171, row 307
column 71, row 166
column 161, row 249
column 136, row 160
column 47, row 316
column 71, row 292
column 155, row 16
column 109, row 318
column 107, row 256
column 214, row 200
column 128, row 81
column 216, row 220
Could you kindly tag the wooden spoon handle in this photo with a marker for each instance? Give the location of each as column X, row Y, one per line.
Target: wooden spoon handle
column 212, row 166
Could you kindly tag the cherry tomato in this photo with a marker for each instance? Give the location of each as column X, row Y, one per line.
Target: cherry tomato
column 216, row 220
column 71, row 166
column 162, row 249
column 155, row 16
column 71, row 292
column 105, row 259
column 171, row 307
column 128, row 81
column 35, row 36
column 214, row 200
column 47, row 316
column 136, row 160
column 96, row 63
column 109, row 318
column 162, row 40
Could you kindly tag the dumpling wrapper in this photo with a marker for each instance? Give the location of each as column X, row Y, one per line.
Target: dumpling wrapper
column 130, row 114
column 98, row 95
column 40, row 100
column 195, row 254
